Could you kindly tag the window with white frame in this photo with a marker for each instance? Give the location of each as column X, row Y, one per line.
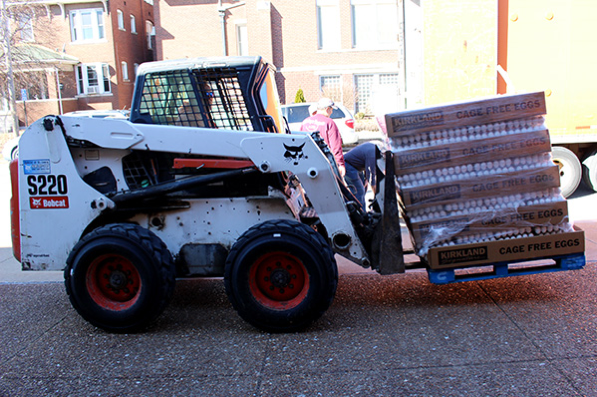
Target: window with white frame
column 150, row 29
column 120, row 16
column 133, row 25
column 374, row 23
column 377, row 92
column 328, row 24
column 242, row 38
column 331, row 87
column 25, row 26
column 93, row 78
column 125, row 70
column 87, row 25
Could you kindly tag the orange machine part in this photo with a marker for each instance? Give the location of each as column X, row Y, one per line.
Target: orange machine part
column 15, row 228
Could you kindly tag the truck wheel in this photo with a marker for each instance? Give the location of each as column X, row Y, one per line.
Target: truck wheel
column 589, row 170
column 570, row 169
column 281, row 276
column 120, row 277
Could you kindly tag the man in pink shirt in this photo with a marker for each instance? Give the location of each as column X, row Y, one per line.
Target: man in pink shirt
column 328, row 130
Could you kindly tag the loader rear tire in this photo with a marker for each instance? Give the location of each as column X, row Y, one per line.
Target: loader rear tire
column 569, row 167
column 589, row 170
column 120, row 277
column 281, row 276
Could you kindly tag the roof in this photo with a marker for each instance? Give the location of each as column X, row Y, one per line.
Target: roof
column 36, row 54
column 192, row 63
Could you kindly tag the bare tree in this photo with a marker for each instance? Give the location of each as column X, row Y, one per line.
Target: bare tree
column 18, row 19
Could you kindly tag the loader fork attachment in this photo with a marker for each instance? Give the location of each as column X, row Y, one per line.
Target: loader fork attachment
column 386, row 248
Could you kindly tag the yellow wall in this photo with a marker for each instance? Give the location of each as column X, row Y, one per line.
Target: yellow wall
column 552, row 48
column 460, row 49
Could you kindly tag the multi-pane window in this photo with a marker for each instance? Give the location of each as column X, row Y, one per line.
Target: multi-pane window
column 25, row 23
column 125, row 70
column 133, row 24
column 331, row 87
column 242, row 39
column 87, row 25
column 376, row 91
column 150, row 29
column 120, row 16
column 93, row 78
column 328, row 24
column 34, row 82
column 374, row 23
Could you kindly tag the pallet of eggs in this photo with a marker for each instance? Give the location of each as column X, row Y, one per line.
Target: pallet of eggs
column 476, row 179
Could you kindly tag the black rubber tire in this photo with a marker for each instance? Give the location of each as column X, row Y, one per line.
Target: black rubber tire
column 295, row 290
column 570, row 169
column 139, row 276
column 589, row 170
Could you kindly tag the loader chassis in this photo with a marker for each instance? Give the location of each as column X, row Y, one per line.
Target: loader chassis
column 199, row 182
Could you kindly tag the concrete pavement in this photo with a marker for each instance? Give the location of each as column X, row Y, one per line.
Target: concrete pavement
column 383, row 336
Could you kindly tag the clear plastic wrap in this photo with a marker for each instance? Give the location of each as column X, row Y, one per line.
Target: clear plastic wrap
column 471, row 184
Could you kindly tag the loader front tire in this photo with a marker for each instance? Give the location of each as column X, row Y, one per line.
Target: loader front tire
column 280, row 276
column 120, row 277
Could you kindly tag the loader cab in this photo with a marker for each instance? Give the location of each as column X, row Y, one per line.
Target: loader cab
column 237, row 93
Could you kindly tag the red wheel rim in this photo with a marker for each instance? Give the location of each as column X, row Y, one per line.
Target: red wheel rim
column 278, row 280
column 113, row 282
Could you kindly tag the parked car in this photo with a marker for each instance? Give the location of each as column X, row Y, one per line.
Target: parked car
column 295, row 114
column 11, row 148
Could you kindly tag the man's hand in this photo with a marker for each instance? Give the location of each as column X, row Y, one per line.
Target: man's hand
column 342, row 171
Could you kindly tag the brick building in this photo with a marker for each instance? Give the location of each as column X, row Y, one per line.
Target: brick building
column 349, row 50
column 82, row 54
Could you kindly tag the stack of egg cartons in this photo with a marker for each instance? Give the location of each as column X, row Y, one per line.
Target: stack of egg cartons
column 477, row 172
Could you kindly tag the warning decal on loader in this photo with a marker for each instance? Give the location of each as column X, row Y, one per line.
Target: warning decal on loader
column 36, row 167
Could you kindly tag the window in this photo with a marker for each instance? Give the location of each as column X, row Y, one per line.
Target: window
column 242, row 39
column 328, row 24
column 93, row 78
column 133, row 25
column 376, row 93
column 87, row 25
column 25, row 24
column 374, row 23
column 125, row 71
column 150, row 29
column 331, row 87
column 35, row 82
column 120, row 16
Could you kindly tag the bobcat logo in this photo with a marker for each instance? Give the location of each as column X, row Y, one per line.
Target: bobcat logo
column 294, row 153
column 36, row 202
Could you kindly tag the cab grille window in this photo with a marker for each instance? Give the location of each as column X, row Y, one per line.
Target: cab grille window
column 210, row 98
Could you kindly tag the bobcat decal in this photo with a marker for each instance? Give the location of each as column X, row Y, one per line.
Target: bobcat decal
column 294, row 153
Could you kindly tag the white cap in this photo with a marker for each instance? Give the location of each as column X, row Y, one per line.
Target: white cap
column 325, row 103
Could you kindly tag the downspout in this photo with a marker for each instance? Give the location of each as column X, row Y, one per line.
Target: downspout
column 222, row 12
column 59, row 90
